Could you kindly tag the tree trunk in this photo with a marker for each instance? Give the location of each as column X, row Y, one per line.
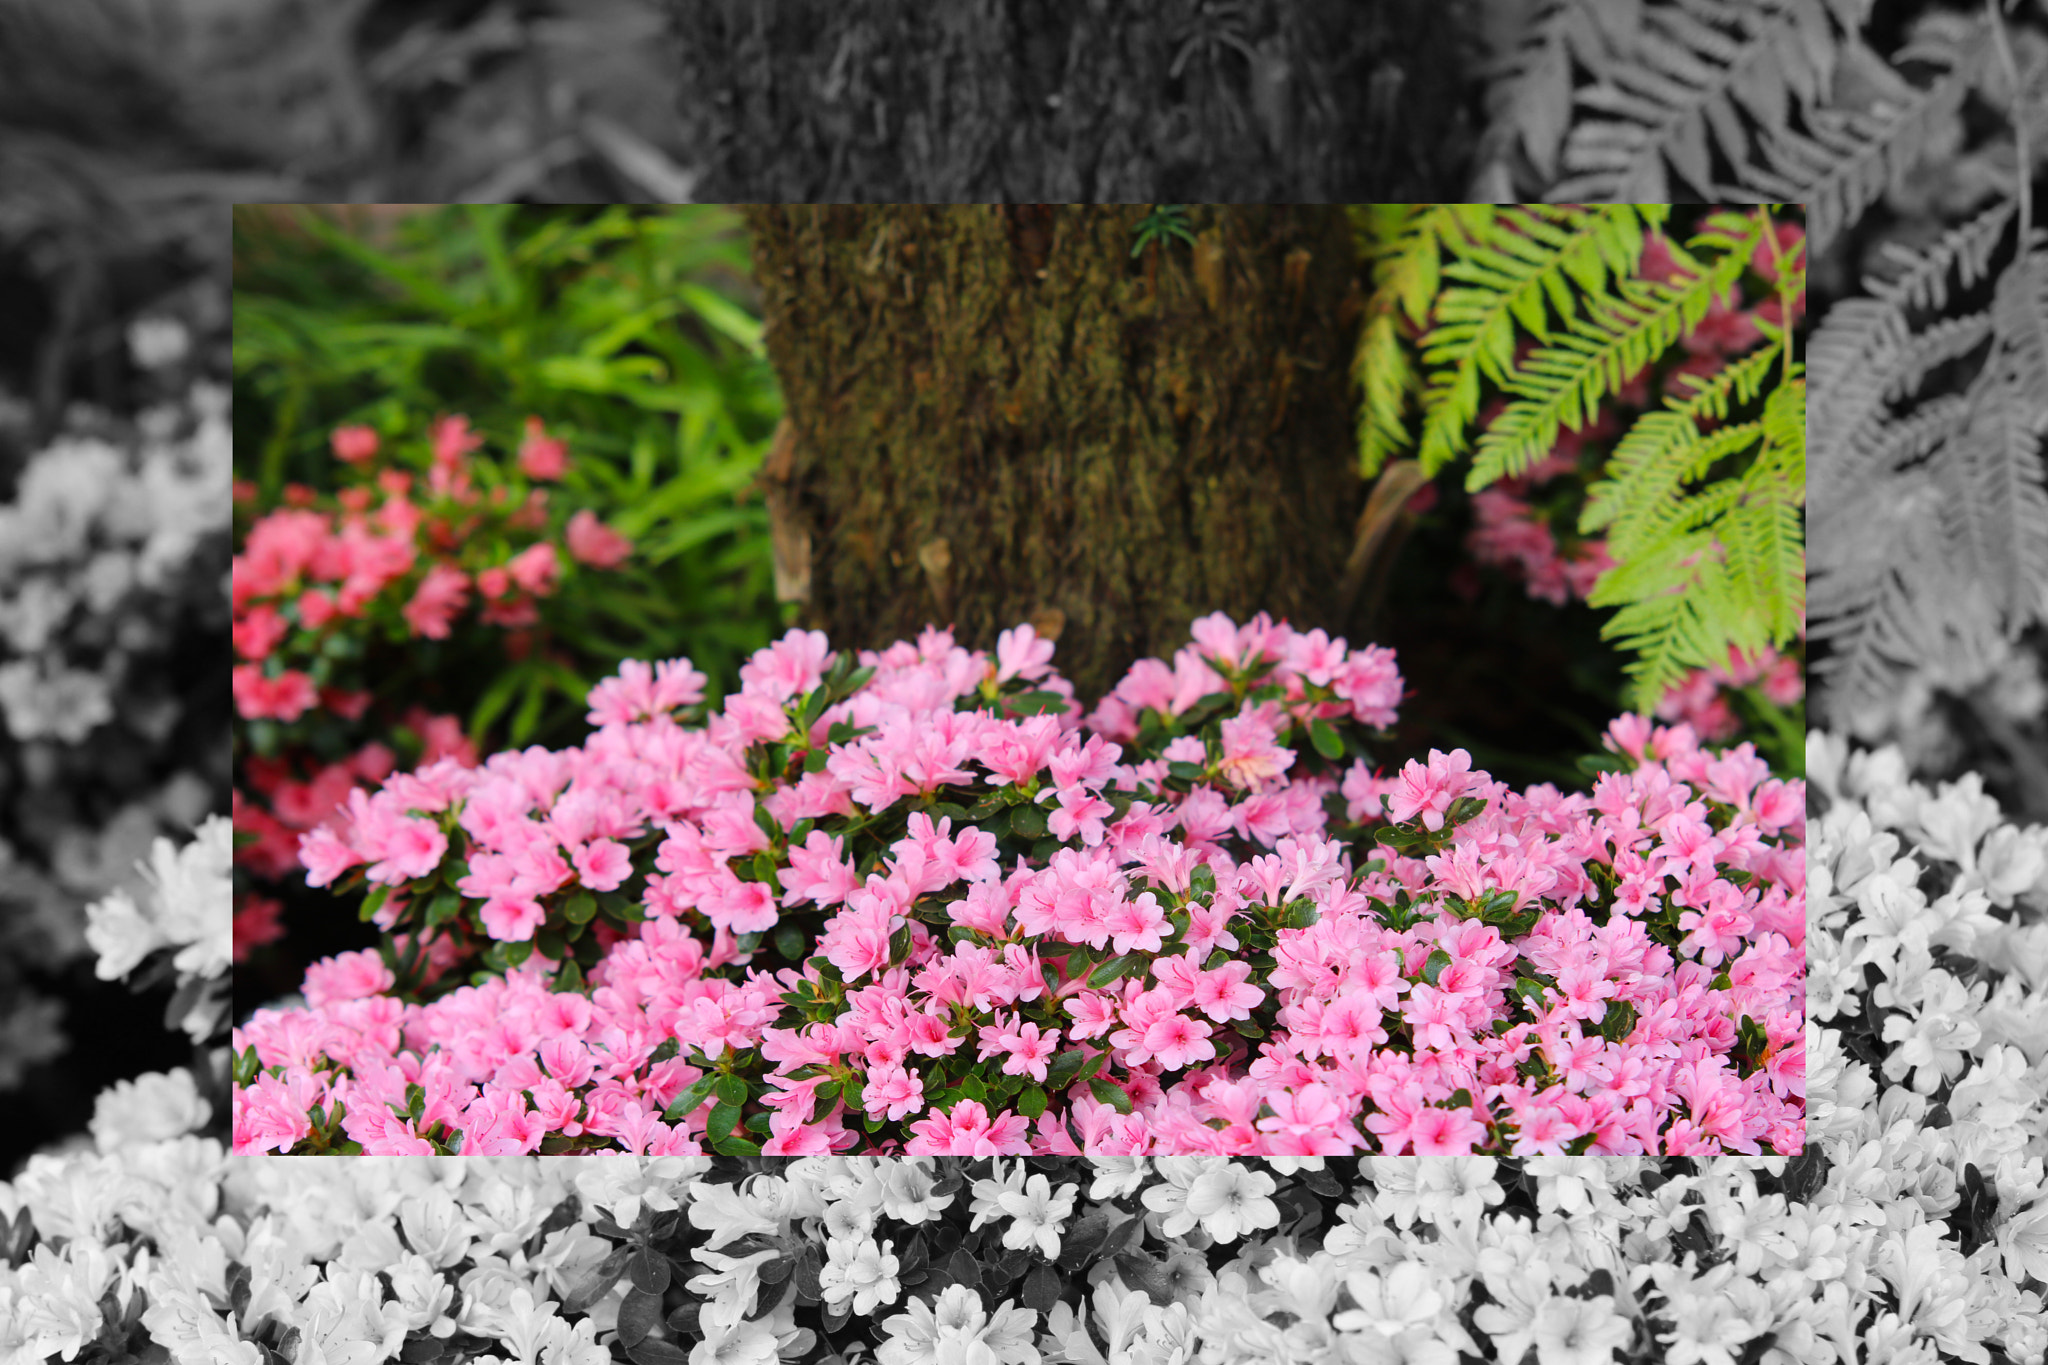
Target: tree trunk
column 1000, row 414
column 906, row 101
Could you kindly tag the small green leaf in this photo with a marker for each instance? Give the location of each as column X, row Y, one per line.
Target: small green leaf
column 1111, row 1094
column 581, row 908
column 690, row 1099
column 1326, row 739
column 1619, row 1021
column 1116, row 968
column 517, row 953
column 1434, row 966
column 816, row 759
column 1027, row 822
column 373, row 902
column 1033, row 1101
column 791, row 941
column 1035, row 703
column 1064, row 1068
column 724, row 1118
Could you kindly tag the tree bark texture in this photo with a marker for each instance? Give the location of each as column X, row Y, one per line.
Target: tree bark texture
column 999, row 414
column 1221, row 101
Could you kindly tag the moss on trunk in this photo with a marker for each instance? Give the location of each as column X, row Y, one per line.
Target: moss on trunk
column 999, row 414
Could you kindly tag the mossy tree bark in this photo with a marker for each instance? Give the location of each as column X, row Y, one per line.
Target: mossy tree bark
column 999, row 414
column 1105, row 101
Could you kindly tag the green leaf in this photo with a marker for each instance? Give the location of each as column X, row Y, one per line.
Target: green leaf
column 1299, row 914
column 1027, row 822
column 791, row 941
column 1033, row 1101
column 1619, row 1021
column 1117, row 968
column 1064, row 1067
column 1434, row 966
column 690, row 1099
column 443, row 908
column 1111, row 1094
column 1035, row 703
column 724, row 1118
column 517, row 953
column 1324, row 736
column 373, row 902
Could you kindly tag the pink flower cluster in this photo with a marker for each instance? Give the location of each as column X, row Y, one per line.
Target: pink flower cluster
column 304, row 574
column 1701, row 700
column 1188, row 931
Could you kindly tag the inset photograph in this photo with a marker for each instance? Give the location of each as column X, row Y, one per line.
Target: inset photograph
column 1019, row 680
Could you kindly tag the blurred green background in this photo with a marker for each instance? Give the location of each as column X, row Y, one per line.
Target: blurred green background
column 629, row 331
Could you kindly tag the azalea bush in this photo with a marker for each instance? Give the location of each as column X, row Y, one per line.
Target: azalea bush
column 910, row 905
column 113, row 716
column 484, row 452
column 346, row 608
column 167, row 1251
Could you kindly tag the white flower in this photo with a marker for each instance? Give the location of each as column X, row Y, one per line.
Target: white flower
column 436, row 1227
column 1170, row 1196
column 59, row 1294
column 1230, row 1200
column 906, row 1185
column 157, row 342
column 724, row 1210
column 737, row 1343
column 419, row 1292
column 987, row 1201
column 153, row 1107
column 1117, row 1176
column 956, row 1330
column 1037, row 1215
column 1580, row 1331
column 861, row 1271
column 1389, row 1303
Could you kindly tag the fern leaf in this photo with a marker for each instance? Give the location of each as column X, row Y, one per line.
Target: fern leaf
column 1921, row 278
column 1739, row 381
column 1403, row 242
column 2011, row 484
column 1693, row 73
column 1562, row 385
column 1850, row 156
column 1386, row 375
column 1511, row 267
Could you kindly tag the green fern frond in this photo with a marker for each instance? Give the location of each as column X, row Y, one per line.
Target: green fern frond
column 1739, row 381
column 1514, row 265
column 1733, row 551
column 1401, row 242
column 1562, row 385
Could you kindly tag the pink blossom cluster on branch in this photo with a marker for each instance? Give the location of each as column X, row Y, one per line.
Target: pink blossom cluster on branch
column 916, row 907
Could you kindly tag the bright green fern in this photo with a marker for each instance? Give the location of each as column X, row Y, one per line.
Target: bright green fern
column 1702, row 500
